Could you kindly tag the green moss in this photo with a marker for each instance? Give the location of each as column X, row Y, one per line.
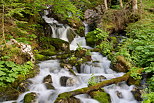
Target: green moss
column 30, row 97
column 8, row 93
column 102, row 97
column 47, row 52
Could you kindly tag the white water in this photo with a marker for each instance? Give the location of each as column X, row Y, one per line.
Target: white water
column 98, row 67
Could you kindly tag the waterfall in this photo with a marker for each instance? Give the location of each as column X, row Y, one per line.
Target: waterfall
column 64, row 81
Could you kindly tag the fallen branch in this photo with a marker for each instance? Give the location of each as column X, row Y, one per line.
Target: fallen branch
column 87, row 90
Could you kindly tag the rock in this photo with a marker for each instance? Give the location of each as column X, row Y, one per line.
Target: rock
column 23, row 86
column 7, row 94
column 100, row 96
column 47, row 79
column 137, row 94
column 119, row 94
column 60, row 44
column 48, row 82
column 49, row 86
column 99, row 78
column 67, row 81
column 31, row 98
column 68, row 100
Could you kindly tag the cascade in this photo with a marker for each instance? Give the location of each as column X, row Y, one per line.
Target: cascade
column 64, row 81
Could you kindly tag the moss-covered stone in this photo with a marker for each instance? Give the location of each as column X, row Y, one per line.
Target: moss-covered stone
column 100, row 96
column 8, row 93
column 68, row 100
column 59, row 44
column 30, row 98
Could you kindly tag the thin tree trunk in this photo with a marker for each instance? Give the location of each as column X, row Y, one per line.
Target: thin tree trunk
column 3, row 26
column 105, row 3
column 134, row 4
column 121, row 3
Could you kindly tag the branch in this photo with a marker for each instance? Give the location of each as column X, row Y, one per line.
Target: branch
column 86, row 90
column 65, row 96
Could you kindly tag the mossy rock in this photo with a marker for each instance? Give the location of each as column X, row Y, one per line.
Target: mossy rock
column 41, row 57
column 30, row 98
column 68, row 100
column 48, row 52
column 90, row 39
column 100, row 96
column 59, row 44
column 8, row 93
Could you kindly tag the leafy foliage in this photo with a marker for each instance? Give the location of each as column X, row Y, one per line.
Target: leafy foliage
column 9, row 71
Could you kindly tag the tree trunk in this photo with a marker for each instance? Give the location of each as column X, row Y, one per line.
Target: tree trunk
column 121, row 4
column 134, row 4
column 105, row 3
column 3, row 26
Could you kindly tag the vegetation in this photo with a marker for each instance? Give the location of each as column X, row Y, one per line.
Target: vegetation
column 21, row 20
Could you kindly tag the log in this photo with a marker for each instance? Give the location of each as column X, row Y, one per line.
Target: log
column 64, row 96
column 87, row 90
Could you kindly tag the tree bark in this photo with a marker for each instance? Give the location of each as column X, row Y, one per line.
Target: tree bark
column 121, row 3
column 86, row 90
column 3, row 26
column 134, row 4
column 105, row 3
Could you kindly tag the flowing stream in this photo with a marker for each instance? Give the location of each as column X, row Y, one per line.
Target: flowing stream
column 64, row 81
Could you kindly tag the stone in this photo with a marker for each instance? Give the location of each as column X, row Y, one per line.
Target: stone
column 47, row 79
column 119, row 94
column 67, row 81
column 100, row 96
column 68, row 100
column 60, row 44
column 137, row 94
column 48, row 82
column 7, row 94
column 49, row 86
column 23, row 86
column 31, row 98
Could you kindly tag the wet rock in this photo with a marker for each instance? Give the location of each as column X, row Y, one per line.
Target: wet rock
column 99, row 78
column 49, row 86
column 68, row 100
column 137, row 94
column 100, row 96
column 31, row 98
column 8, row 93
column 59, row 44
column 23, row 86
column 119, row 94
column 47, row 79
column 48, row 82
column 67, row 81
